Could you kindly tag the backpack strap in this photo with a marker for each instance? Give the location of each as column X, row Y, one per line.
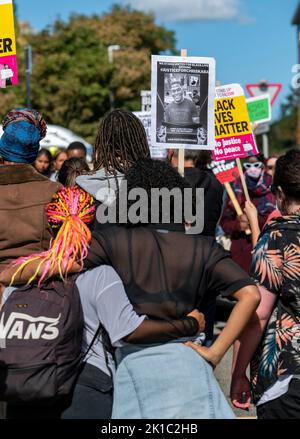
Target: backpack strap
column 96, row 335
column 107, row 346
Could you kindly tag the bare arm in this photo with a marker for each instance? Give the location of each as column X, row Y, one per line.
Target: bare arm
column 23, row 276
column 251, row 212
column 96, row 256
column 248, row 300
column 245, row 347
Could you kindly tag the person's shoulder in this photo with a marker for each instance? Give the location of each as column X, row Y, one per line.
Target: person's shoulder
column 215, row 182
column 110, row 232
column 52, row 186
column 55, row 185
column 103, row 277
column 206, row 243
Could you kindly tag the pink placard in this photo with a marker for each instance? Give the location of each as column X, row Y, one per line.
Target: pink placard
column 235, row 147
column 8, row 71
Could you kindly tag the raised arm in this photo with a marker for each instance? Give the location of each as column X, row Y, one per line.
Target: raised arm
column 252, row 215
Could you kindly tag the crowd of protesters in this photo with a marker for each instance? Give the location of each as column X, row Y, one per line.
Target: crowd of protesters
column 148, row 288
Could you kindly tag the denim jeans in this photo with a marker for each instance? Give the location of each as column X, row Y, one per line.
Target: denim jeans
column 169, row 381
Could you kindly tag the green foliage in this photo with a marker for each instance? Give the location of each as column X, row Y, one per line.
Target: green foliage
column 72, row 77
column 283, row 132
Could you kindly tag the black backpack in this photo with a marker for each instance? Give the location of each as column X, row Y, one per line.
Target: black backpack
column 40, row 343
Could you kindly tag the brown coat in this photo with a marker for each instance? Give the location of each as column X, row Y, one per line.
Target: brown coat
column 24, row 193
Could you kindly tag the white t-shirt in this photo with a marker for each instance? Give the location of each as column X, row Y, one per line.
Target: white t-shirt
column 103, row 300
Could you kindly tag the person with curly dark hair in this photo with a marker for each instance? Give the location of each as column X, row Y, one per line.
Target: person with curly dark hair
column 271, row 340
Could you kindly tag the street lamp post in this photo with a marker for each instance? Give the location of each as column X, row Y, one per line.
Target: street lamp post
column 28, row 62
column 110, row 51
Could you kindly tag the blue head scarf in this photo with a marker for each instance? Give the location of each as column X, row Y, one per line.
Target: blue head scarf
column 23, row 130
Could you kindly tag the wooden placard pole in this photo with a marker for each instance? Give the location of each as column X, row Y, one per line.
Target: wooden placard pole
column 181, row 150
column 239, row 164
column 235, row 203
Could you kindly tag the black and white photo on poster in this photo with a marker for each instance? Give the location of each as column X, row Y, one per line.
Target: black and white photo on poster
column 183, row 93
column 145, row 118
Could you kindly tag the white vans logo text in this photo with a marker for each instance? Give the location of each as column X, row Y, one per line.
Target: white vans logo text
column 38, row 327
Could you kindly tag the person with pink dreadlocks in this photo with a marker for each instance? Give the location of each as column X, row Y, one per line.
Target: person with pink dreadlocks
column 104, row 302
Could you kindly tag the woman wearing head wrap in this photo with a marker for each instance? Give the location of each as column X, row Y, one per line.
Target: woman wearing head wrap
column 24, row 192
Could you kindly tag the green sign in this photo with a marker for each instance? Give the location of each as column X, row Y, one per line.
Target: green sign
column 259, row 109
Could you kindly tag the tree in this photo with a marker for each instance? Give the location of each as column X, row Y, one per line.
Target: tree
column 72, row 76
column 283, row 132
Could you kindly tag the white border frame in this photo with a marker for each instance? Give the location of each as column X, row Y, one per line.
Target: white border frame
column 211, row 100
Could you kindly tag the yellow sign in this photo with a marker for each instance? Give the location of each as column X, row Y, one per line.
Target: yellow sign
column 8, row 59
column 233, row 133
column 231, row 117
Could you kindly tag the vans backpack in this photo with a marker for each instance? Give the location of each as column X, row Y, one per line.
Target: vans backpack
column 40, row 343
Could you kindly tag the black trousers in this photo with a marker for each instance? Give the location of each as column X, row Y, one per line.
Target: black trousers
column 286, row 406
column 92, row 398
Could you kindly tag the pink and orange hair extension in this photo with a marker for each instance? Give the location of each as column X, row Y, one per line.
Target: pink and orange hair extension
column 70, row 211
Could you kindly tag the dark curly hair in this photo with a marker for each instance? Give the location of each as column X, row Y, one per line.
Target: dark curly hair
column 151, row 174
column 287, row 174
column 121, row 141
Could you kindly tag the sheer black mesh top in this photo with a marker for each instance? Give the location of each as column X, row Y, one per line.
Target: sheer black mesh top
column 166, row 273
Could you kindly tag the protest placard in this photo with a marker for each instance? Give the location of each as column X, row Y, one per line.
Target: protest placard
column 234, row 137
column 145, row 118
column 225, row 171
column 8, row 58
column 259, row 109
column 182, row 102
column 146, row 100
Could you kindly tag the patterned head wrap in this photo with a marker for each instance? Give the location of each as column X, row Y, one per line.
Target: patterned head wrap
column 23, row 129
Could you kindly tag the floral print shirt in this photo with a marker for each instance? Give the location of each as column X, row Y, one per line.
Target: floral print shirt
column 276, row 267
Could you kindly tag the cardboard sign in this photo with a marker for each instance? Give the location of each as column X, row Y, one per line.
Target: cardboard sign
column 8, row 58
column 146, row 100
column 234, row 136
column 259, row 109
column 183, row 91
column 226, row 172
column 145, row 118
